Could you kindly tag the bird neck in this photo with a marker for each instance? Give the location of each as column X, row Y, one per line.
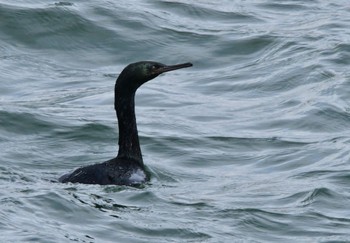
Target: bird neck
column 129, row 145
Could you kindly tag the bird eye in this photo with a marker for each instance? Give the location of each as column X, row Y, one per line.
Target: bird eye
column 153, row 67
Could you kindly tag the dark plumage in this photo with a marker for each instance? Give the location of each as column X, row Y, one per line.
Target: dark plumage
column 127, row 168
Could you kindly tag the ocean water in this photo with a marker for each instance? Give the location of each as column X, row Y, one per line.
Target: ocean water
column 251, row 144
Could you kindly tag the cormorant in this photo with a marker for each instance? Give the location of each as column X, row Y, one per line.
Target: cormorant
column 127, row 168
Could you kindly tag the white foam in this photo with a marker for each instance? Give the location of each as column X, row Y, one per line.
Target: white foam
column 138, row 176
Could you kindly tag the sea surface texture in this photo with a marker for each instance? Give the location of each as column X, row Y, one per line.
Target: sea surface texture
column 251, row 144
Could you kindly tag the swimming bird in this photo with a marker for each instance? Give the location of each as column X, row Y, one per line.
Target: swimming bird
column 128, row 167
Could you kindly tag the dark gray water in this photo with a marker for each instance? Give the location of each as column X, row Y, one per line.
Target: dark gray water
column 251, row 144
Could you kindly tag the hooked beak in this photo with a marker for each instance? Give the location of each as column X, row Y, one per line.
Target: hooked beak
column 173, row 67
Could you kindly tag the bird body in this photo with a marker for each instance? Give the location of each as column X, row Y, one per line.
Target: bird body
column 116, row 171
column 127, row 168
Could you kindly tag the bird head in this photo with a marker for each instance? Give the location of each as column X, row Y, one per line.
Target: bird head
column 136, row 74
